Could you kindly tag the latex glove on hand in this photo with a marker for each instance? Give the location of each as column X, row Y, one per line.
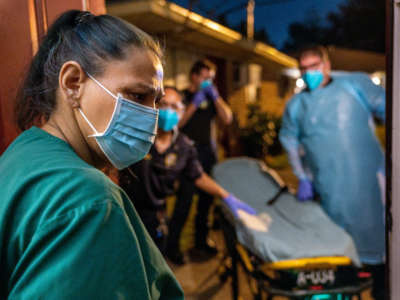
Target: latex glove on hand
column 305, row 190
column 235, row 205
column 212, row 92
column 199, row 97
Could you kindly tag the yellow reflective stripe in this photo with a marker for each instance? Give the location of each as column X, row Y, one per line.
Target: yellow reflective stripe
column 329, row 261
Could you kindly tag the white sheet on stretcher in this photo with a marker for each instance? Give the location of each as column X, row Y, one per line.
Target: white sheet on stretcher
column 287, row 229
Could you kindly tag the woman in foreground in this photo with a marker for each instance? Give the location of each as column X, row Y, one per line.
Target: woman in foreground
column 66, row 231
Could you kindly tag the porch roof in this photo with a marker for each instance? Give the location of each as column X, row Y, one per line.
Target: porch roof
column 186, row 28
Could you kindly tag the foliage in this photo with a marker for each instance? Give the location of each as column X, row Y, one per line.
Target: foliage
column 359, row 24
column 260, row 135
column 311, row 31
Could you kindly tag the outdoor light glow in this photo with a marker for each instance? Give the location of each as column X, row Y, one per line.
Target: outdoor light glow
column 195, row 17
column 178, row 9
column 376, row 80
column 274, row 54
column 206, row 22
column 292, row 72
column 300, row 83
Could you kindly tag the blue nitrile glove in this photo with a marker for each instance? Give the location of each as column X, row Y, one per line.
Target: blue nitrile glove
column 212, row 92
column 305, row 190
column 199, row 97
column 235, row 204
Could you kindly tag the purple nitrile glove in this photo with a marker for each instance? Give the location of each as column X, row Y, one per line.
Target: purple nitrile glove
column 212, row 92
column 305, row 190
column 199, row 97
column 235, row 205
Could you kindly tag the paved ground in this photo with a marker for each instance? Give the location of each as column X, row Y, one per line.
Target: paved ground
column 201, row 281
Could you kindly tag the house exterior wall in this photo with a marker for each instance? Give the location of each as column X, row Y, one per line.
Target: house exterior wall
column 178, row 62
column 271, row 99
column 254, row 87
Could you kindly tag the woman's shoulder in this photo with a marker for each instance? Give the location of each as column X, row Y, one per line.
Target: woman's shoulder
column 69, row 193
column 81, row 186
column 47, row 175
column 37, row 149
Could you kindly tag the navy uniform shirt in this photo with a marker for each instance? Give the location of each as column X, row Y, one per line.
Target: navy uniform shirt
column 151, row 180
column 198, row 127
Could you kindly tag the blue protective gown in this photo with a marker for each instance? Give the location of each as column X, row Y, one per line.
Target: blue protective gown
column 334, row 126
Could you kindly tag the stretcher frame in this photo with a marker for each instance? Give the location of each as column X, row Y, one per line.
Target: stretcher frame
column 237, row 254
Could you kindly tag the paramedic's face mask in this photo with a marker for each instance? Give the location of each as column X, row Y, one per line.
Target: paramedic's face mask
column 202, row 76
column 314, row 70
column 209, row 80
column 171, row 110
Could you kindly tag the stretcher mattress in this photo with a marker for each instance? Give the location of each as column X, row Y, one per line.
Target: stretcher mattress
column 286, row 229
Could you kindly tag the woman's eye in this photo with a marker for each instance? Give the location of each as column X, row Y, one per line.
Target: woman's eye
column 137, row 97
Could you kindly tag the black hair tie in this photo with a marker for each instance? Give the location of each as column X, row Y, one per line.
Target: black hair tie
column 83, row 17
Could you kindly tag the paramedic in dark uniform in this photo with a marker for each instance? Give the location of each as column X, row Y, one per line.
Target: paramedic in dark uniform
column 203, row 104
column 172, row 157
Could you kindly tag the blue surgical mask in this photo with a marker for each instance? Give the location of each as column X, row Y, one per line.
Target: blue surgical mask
column 313, row 79
column 205, row 84
column 167, row 119
column 130, row 132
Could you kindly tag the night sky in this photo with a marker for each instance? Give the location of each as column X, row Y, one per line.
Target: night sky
column 274, row 18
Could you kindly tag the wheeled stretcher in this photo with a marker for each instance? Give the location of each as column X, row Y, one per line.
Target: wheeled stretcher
column 289, row 248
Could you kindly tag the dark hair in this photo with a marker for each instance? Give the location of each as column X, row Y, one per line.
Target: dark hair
column 315, row 50
column 171, row 87
column 82, row 37
column 198, row 66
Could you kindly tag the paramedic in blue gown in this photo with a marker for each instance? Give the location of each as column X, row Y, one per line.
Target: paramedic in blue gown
column 172, row 159
column 88, row 103
column 328, row 133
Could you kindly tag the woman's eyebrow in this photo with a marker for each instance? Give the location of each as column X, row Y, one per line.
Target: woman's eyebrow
column 144, row 88
column 147, row 88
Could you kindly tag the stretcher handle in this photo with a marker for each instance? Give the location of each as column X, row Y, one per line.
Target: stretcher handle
column 282, row 190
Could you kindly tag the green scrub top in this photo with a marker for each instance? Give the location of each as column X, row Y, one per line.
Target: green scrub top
column 68, row 232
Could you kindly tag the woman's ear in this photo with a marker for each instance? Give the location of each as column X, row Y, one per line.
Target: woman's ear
column 71, row 81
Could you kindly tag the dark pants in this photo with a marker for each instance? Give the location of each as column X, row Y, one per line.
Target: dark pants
column 184, row 198
column 378, row 275
column 207, row 159
column 182, row 207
